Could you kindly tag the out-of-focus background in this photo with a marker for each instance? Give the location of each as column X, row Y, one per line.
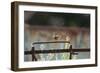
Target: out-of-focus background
column 44, row 26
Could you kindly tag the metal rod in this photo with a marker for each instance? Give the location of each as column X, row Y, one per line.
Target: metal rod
column 33, row 54
column 50, row 42
column 71, row 52
column 57, row 51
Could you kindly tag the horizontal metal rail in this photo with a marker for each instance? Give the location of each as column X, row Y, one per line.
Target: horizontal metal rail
column 57, row 51
column 50, row 42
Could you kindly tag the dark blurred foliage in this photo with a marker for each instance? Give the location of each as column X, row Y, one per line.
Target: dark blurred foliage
column 59, row 19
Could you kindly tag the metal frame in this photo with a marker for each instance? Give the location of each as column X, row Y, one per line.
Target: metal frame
column 70, row 50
